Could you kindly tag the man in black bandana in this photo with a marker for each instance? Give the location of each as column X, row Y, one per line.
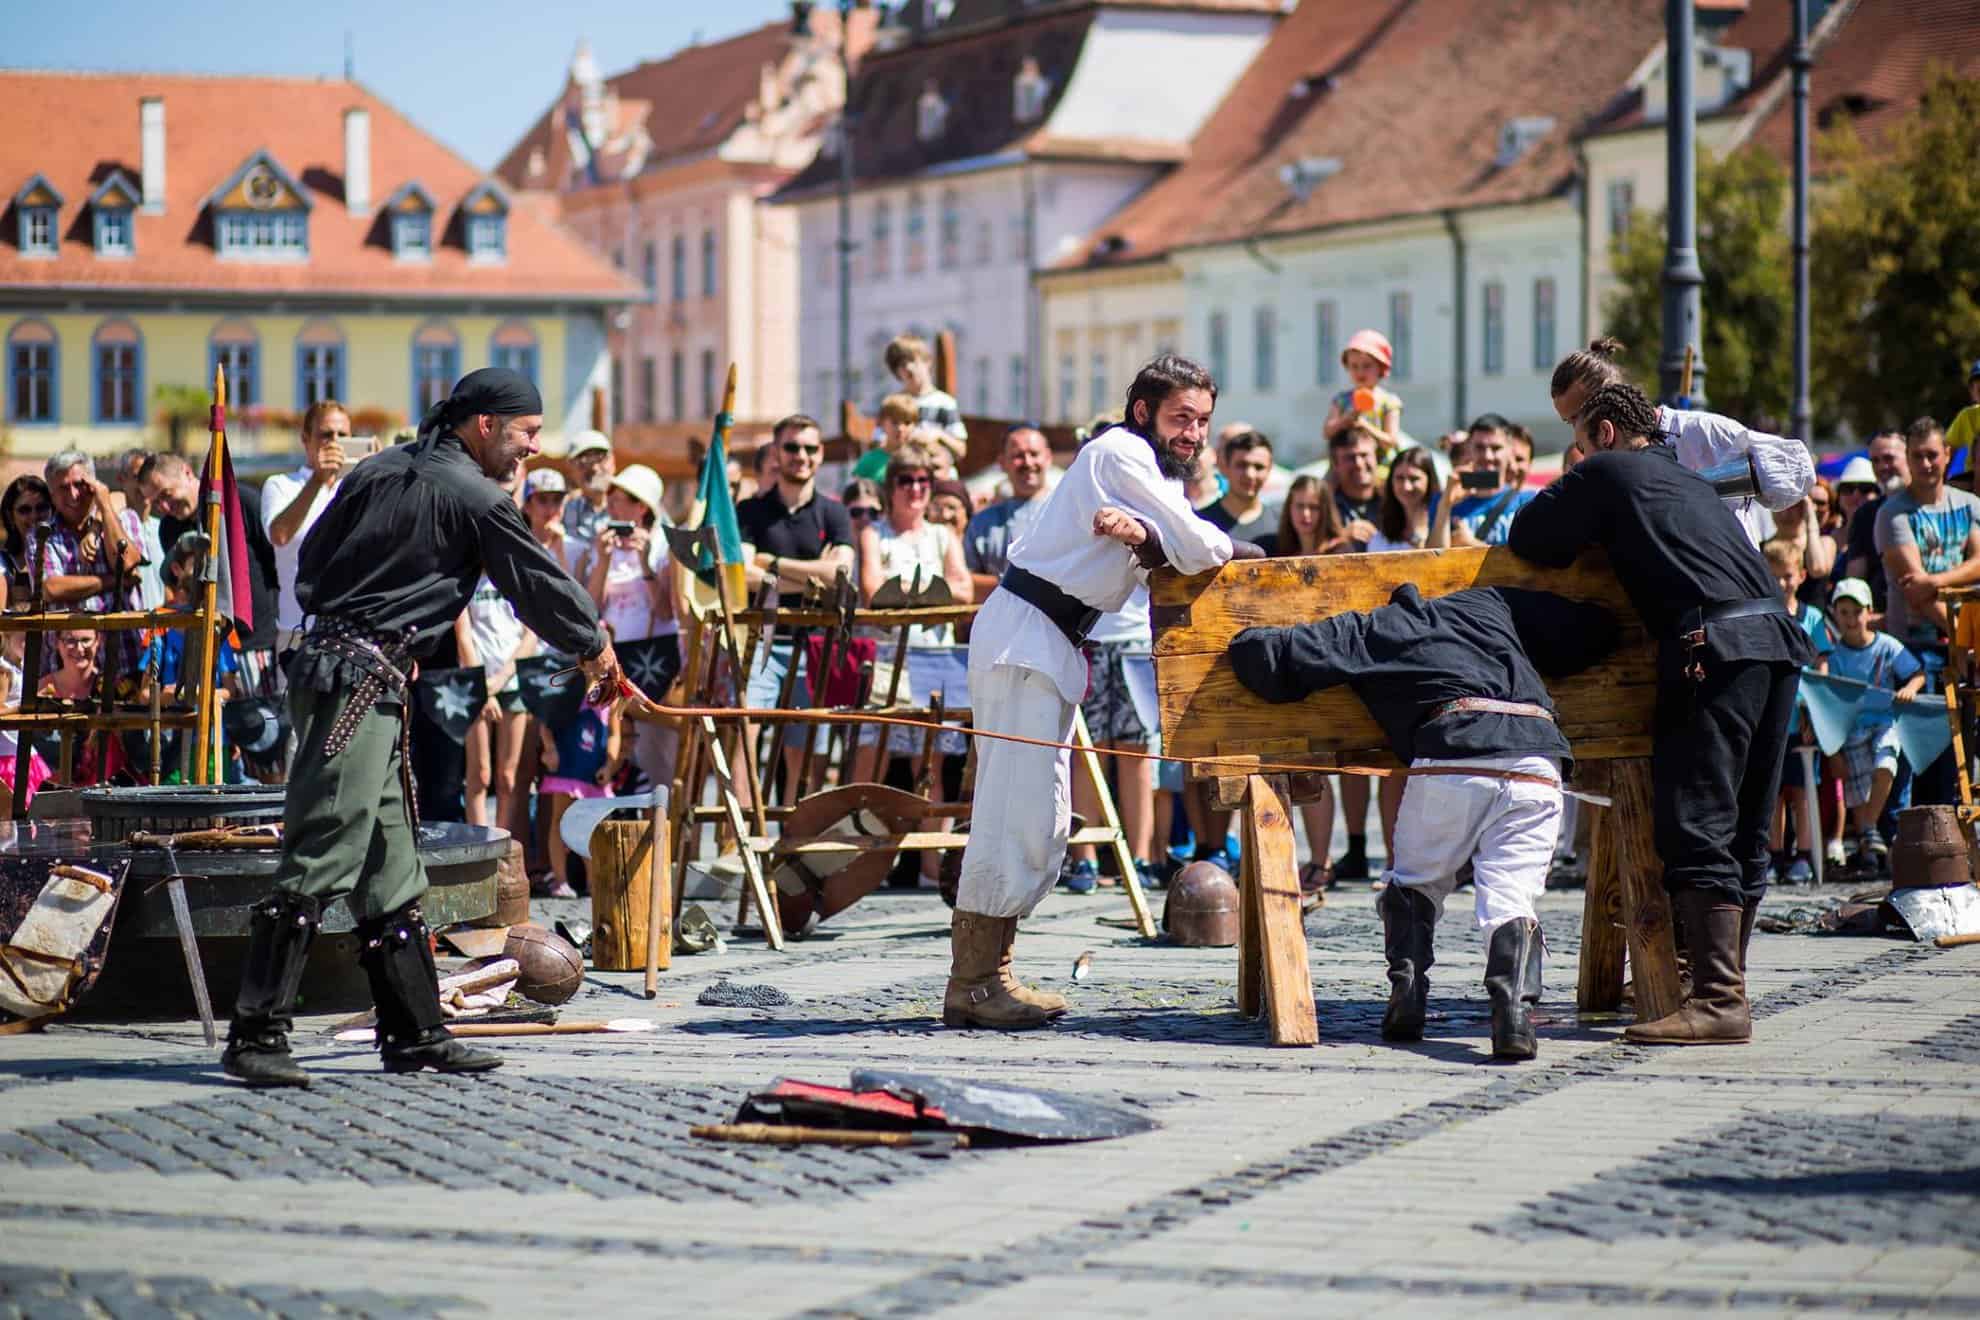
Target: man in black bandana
column 1728, row 668
column 384, row 573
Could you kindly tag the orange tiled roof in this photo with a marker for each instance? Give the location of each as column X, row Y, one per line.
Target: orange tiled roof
column 691, row 101
column 77, row 128
column 1409, row 98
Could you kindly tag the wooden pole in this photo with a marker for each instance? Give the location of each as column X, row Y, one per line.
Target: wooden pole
column 660, row 906
column 208, row 623
column 1646, row 910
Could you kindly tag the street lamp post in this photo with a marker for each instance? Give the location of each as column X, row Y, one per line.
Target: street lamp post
column 1803, row 419
column 1682, row 276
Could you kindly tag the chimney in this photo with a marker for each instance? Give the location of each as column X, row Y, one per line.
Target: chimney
column 151, row 152
column 357, row 162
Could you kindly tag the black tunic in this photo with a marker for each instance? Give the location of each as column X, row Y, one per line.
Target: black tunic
column 407, row 538
column 1411, row 656
column 1672, row 542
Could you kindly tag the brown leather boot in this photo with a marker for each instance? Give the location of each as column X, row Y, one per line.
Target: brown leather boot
column 1747, row 916
column 1044, row 999
column 1716, row 1013
column 980, row 986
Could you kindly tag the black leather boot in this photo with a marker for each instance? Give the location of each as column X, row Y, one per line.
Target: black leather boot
column 279, row 935
column 396, row 952
column 1409, row 918
column 1530, row 988
column 1509, row 962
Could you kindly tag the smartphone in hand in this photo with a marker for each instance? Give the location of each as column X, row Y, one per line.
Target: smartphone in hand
column 1475, row 479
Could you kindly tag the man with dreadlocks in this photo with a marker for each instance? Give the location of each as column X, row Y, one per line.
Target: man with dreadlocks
column 1118, row 511
column 1728, row 665
column 386, row 570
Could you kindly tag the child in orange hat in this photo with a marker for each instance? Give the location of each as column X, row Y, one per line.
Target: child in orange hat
column 1365, row 404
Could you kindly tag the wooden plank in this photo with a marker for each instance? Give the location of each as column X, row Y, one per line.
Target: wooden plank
column 1191, row 616
column 1251, row 931
column 725, row 784
column 1646, row 911
column 1271, row 870
column 660, row 903
column 1599, row 984
column 1111, row 822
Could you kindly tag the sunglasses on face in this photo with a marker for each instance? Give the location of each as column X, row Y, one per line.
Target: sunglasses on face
column 791, row 447
column 30, row 510
column 908, row 483
column 862, row 511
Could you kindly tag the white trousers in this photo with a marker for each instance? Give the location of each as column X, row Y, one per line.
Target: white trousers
column 1506, row 830
column 1022, row 806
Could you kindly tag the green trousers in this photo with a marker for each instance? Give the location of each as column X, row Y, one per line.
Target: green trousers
column 344, row 829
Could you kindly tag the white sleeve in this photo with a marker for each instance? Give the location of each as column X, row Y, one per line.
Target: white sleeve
column 1787, row 472
column 277, row 494
column 1190, row 544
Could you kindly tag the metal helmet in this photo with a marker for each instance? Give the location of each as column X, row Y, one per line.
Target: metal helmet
column 1202, row 908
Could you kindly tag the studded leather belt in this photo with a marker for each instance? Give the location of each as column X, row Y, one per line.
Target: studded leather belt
column 378, row 658
column 1492, row 706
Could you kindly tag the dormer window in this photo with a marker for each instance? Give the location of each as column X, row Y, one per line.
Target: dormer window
column 38, row 207
column 485, row 229
column 411, row 212
column 1521, row 135
column 111, row 207
column 261, row 213
column 1028, row 91
column 931, row 114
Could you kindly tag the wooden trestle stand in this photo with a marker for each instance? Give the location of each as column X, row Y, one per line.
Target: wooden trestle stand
column 1606, row 714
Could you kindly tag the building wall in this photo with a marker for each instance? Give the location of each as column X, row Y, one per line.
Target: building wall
column 1357, row 274
column 1100, row 327
column 175, row 350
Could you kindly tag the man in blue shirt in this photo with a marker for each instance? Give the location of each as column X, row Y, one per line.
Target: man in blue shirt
column 1485, row 515
column 1027, row 461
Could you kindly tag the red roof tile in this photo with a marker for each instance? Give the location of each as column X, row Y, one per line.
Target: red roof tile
column 1409, row 97
column 691, row 101
column 77, row 127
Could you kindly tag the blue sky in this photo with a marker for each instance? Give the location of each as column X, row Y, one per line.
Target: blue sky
column 474, row 75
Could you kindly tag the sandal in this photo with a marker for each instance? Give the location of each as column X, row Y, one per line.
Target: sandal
column 1315, row 879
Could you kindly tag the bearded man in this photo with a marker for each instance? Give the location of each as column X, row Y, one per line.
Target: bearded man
column 384, row 573
column 1118, row 512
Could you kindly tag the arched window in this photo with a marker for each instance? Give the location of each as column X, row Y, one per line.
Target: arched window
column 436, row 365
column 34, row 396
column 950, row 252
column 117, row 368
column 881, row 249
column 236, row 348
column 709, row 283
column 513, row 345
column 916, row 228
column 320, row 360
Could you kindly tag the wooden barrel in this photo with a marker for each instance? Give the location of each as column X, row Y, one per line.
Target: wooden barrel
column 511, row 890
column 1931, row 851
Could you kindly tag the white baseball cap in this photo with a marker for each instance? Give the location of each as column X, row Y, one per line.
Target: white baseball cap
column 544, row 481
column 588, row 442
column 1855, row 589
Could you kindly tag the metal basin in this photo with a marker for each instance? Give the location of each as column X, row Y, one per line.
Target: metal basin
column 117, row 813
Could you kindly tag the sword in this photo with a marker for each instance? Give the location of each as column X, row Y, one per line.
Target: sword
column 175, row 889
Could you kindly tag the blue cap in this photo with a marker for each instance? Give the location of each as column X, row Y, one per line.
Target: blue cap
column 1975, row 372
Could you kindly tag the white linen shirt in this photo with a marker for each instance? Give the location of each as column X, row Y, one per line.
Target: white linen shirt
column 1117, row 469
column 1704, row 440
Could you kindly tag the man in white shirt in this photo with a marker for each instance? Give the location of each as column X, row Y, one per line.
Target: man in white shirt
column 291, row 502
column 1118, row 510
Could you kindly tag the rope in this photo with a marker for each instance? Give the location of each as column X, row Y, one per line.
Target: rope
column 812, row 715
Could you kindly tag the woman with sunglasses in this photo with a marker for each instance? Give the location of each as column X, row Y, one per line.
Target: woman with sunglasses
column 23, row 508
column 864, row 503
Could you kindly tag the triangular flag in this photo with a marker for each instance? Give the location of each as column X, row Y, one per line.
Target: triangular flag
column 1832, row 709
column 228, row 563
column 717, row 502
column 1923, row 732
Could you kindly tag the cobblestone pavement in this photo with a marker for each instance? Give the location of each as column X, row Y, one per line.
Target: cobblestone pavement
column 1833, row 1165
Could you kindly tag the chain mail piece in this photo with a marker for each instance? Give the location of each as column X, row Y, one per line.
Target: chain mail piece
column 727, row 994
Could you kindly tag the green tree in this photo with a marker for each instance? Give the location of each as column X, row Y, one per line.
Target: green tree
column 1748, row 294
column 1895, row 260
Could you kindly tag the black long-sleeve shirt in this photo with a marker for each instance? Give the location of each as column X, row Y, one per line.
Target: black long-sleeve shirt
column 1673, row 544
column 1411, row 656
column 408, row 536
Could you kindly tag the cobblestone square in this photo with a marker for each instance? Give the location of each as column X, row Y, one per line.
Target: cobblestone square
column 1831, row 1166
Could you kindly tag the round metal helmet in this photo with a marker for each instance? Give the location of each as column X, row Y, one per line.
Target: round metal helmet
column 552, row 968
column 1202, row 907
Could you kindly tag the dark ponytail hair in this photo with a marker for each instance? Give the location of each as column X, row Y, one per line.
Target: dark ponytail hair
column 1591, row 367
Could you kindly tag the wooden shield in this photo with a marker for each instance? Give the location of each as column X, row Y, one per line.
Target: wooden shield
column 828, row 883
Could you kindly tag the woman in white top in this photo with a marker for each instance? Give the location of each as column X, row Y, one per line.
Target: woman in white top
column 630, row 575
column 898, row 545
column 1412, row 518
column 490, row 635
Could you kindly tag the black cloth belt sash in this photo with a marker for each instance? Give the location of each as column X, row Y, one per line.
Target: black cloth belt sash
column 1071, row 615
column 1693, row 622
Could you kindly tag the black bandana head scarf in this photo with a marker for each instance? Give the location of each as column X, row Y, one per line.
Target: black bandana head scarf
column 495, row 390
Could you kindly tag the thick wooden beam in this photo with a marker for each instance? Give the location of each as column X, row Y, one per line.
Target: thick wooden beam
column 1271, row 882
column 1599, row 985
column 1646, row 911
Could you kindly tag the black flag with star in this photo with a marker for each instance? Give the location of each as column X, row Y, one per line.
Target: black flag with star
column 549, row 693
column 652, row 664
column 450, row 700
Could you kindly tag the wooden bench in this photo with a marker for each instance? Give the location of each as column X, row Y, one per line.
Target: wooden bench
column 1206, row 713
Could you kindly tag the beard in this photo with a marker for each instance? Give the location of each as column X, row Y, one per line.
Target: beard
column 1171, row 464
